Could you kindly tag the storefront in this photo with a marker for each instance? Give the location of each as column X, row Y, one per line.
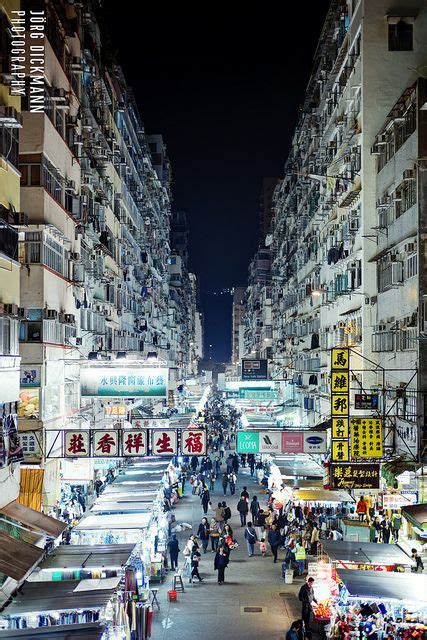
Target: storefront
column 366, row 556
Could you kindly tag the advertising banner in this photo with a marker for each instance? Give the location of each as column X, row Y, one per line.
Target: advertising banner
column 30, row 376
column 247, row 442
column 193, row 442
column 254, row 370
column 366, row 438
column 116, row 382
column 270, row 442
column 355, row 476
column 292, row 442
column 314, row 442
column 134, row 442
column 164, row 442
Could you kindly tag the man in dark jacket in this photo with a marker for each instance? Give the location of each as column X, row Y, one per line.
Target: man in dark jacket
column 251, row 538
column 242, row 508
column 274, row 540
column 173, row 552
column 306, row 597
column 227, row 512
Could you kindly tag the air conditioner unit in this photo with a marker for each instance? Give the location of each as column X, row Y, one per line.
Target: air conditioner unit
column 410, row 247
column 354, row 224
column 20, row 219
column 79, row 342
column 58, row 94
column 72, row 121
column 409, row 174
column 376, row 149
column 396, row 273
column 71, row 186
column 76, row 65
column 51, row 314
column 77, row 141
column 11, row 309
column 22, row 312
column 74, row 255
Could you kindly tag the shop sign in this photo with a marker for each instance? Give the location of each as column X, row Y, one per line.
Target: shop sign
column 115, row 410
column 30, row 376
column 355, row 476
column 340, row 428
column 340, row 404
column 314, row 442
column 134, row 442
column 368, row 401
column 29, row 404
column 254, row 370
column 164, row 442
column 292, row 442
column 257, row 394
column 340, row 450
column 270, row 442
column 247, row 442
column 366, row 438
column 115, row 382
column 193, row 442
column 76, row 444
column 233, row 393
column 149, row 423
column 106, row 443
column 398, row 500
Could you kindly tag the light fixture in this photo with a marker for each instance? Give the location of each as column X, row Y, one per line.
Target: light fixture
column 121, row 355
column 316, row 293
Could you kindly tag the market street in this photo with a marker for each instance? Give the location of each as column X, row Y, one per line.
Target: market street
column 211, row 611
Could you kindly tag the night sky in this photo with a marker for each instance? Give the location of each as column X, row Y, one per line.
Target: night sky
column 225, row 92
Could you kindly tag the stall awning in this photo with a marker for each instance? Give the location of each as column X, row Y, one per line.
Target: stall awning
column 34, row 519
column 56, row 596
column 17, row 558
column 366, row 553
column 85, row 631
column 111, row 522
column 322, row 495
column 299, row 465
column 385, row 585
column 417, row 514
column 87, row 556
column 122, row 507
column 126, row 496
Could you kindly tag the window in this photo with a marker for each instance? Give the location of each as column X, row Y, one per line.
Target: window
column 405, row 197
column 400, row 36
column 412, row 266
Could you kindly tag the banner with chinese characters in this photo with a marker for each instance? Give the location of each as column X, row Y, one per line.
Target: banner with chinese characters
column 106, row 443
column 193, row 442
column 340, row 404
column 119, row 382
column 355, row 476
column 164, row 442
column 76, row 444
column 366, row 436
column 134, row 442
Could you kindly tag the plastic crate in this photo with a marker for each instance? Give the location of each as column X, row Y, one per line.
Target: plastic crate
column 172, row 595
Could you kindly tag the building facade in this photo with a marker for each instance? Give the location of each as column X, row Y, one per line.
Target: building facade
column 237, row 321
column 345, row 259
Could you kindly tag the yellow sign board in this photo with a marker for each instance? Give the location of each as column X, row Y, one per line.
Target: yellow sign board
column 340, row 359
column 340, row 428
column 340, row 381
column 340, row 451
column 340, row 404
column 366, row 438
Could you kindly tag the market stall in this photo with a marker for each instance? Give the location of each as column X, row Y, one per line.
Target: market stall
column 365, row 555
column 111, row 529
column 416, row 516
column 89, row 631
column 392, row 603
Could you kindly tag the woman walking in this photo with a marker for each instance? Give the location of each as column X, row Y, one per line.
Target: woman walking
column 220, row 564
column 206, row 500
column 195, row 559
column 214, row 534
column 203, row 533
column 255, row 509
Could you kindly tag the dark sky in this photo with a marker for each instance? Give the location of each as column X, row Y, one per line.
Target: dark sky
column 224, row 90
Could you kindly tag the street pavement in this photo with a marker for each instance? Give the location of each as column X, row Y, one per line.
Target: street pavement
column 210, row 611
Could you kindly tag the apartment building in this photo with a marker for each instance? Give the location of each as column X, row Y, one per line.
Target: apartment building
column 332, row 279
column 237, row 320
column 258, row 311
column 95, row 257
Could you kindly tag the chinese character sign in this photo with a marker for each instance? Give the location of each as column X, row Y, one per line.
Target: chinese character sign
column 340, row 404
column 164, row 442
column 340, row 359
column 134, row 442
column 119, row 382
column 366, row 438
column 340, row 381
column 76, row 444
column 355, row 476
column 193, row 442
column 340, row 428
column 340, row 450
column 106, row 444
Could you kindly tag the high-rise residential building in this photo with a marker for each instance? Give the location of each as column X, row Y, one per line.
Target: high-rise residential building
column 347, row 258
column 258, row 319
column 266, row 210
column 238, row 314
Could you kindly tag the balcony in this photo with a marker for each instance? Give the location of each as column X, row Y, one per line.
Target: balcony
column 8, row 240
column 400, row 340
column 46, row 331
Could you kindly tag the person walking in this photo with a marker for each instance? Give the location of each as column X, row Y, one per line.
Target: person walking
column 221, row 451
column 274, row 541
column 396, row 523
column 232, row 478
column 227, row 531
column 220, row 564
column 236, row 463
column 251, row 538
column 243, row 509
column 205, row 499
column 224, row 482
column 217, row 466
column 418, row 562
column 251, row 461
column 300, row 556
column 306, row 597
column 255, row 509
column 194, row 463
column 212, row 478
column 214, row 534
column 314, row 539
column 195, row 559
column 386, row 530
column 361, row 508
column 173, row 552
column 227, row 512
column 203, row 533
column 245, row 494
column 219, row 515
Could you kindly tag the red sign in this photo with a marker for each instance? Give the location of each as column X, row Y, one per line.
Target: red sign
column 193, row 442
column 105, row 444
column 76, row 444
column 134, row 442
column 292, row 442
column 164, row 442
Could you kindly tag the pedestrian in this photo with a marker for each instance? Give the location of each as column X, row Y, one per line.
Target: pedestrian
column 396, row 523
column 300, row 556
column 217, row 466
column 98, row 484
column 227, row 531
column 386, row 530
column 252, row 463
column 236, row 463
column 418, row 562
column 294, row 631
column 221, row 451
column 195, row 559
column 219, row 515
column 214, row 534
column 212, row 478
column 220, row 564
column 232, row 482
column 251, row 538
column 173, row 552
column 194, row 463
column 205, row 499
column 306, row 597
column 203, row 533
column 255, row 509
column 314, row 539
column 227, row 512
column 243, row 509
column 229, row 463
column 224, row 482
column 274, row 541
column 245, row 494
column 361, row 509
